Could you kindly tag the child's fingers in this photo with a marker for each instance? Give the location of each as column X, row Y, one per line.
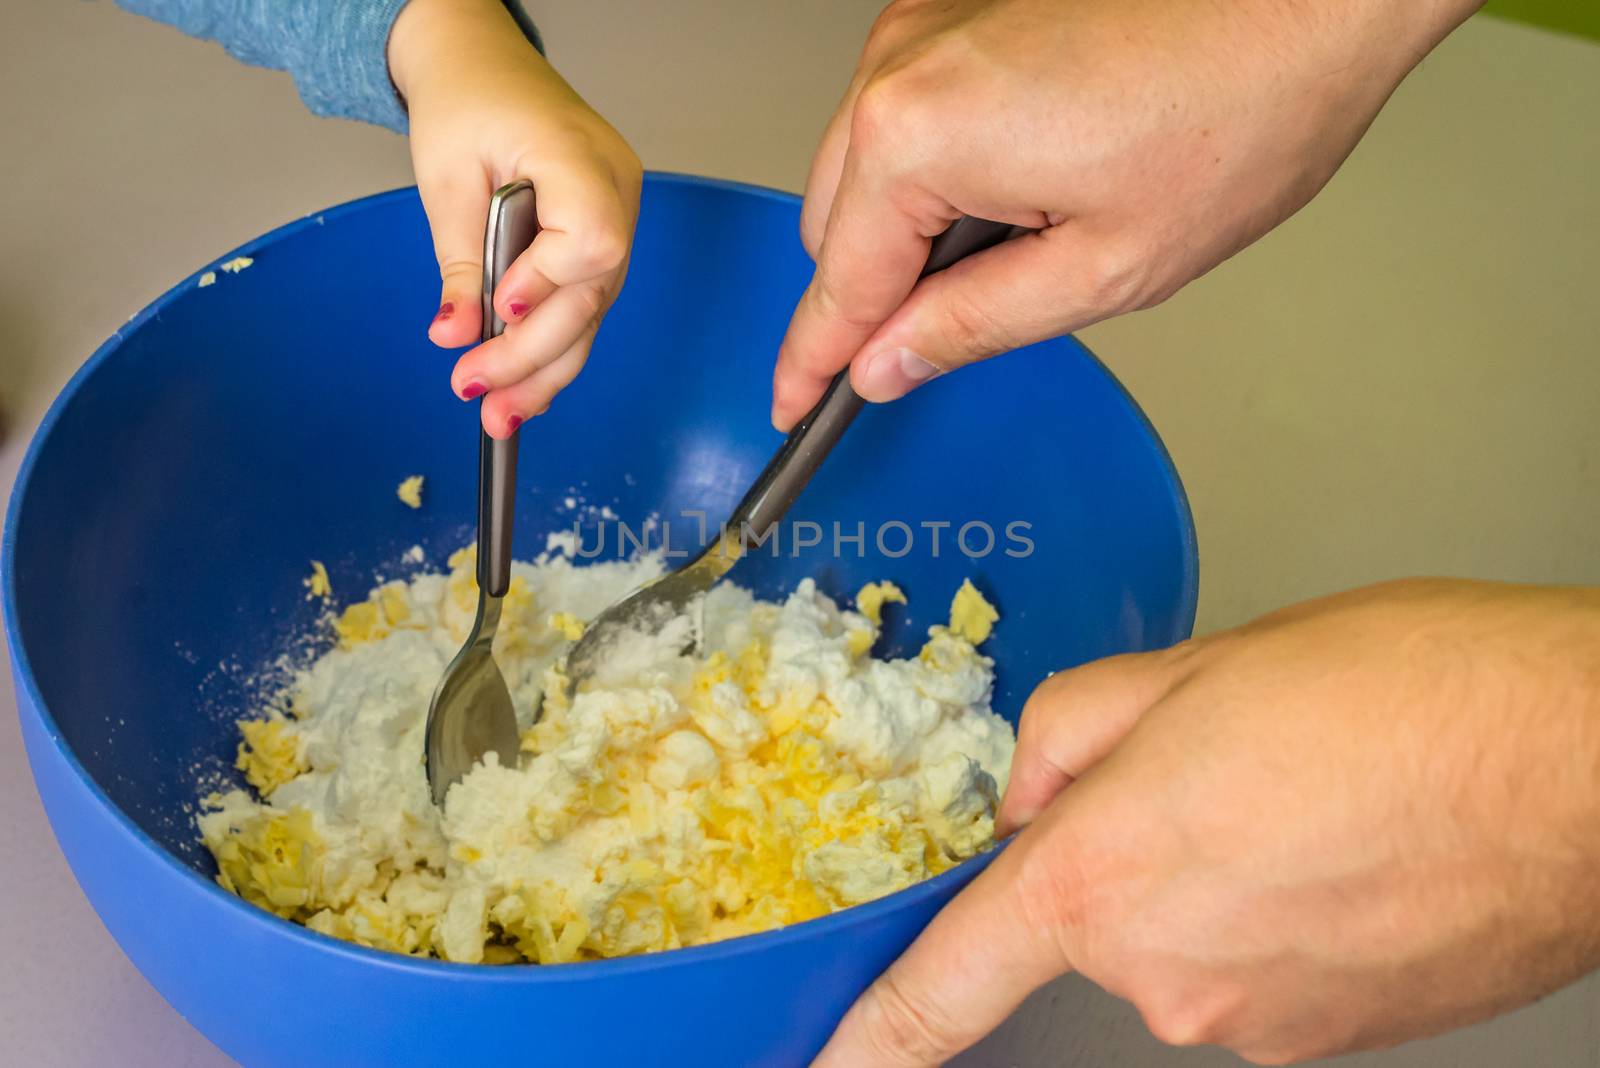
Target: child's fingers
column 586, row 224
column 526, row 347
column 506, row 409
column 456, row 206
column 522, row 288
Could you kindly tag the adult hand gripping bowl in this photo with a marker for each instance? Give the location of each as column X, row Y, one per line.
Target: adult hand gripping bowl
column 170, row 502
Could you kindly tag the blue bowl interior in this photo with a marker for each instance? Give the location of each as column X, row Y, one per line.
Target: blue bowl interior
column 227, row 436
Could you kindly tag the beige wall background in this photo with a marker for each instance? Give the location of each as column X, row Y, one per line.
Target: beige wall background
column 1405, row 378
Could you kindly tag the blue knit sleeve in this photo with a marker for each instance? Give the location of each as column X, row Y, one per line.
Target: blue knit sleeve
column 336, row 50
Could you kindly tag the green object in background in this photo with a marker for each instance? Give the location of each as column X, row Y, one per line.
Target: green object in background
column 1580, row 17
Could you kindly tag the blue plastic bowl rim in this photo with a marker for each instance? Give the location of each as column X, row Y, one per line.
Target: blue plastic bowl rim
column 840, row 921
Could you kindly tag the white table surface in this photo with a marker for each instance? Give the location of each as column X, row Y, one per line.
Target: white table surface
column 1403, row 379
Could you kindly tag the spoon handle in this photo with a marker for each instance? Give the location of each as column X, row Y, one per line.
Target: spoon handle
column 513, row 223
column 809, row 443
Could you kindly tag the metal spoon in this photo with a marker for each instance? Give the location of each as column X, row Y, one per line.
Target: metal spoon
column 775, row 489
column 471, row 713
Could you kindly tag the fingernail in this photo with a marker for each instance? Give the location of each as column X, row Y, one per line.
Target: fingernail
column 475, row 387
column 893, row 373
column 446, row 310
column 512, row 422
column 516, row 308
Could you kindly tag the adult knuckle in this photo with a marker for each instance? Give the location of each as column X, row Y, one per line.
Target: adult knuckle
column 1172, row 1028
column 797, row 364
column 1045, row 703
column 833, row 305
column 1121, row 278
column 812, row 224
column 897, row 106
column 1036, row 754
column 879, row 106
column 890, row 28
column 893, row 15
column 974, row 329
column 1194, row 1014
column 1180, row 1023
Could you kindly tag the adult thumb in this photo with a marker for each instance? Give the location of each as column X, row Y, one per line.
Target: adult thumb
column 997, row 941
column 1030, row 288
column 968, row 970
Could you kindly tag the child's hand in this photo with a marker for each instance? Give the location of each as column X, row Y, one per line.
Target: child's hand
column 486, row 109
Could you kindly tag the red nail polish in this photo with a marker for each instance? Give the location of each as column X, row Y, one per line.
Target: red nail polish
column 512, row 422
column 446, row 310
column 474, row 388
column 516, row 308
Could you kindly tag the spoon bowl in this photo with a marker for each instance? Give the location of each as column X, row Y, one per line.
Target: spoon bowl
column 471, row 714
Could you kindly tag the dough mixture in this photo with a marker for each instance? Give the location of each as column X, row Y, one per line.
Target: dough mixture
column 778, row 774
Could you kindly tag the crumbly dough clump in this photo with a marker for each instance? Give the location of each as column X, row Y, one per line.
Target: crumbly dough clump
column 779, row 773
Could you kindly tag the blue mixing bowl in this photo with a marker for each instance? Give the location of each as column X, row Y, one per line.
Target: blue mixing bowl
column 167, row 510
